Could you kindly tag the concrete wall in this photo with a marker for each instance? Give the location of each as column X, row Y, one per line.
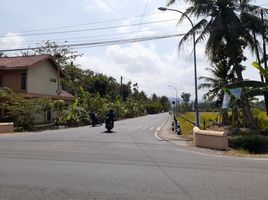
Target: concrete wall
column 41, row 79
column 210, row 139
column 6, row 127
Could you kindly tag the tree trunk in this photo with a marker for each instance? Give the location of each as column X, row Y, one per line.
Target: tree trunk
column 248, row 118
column 225, row 117
column 235, row 121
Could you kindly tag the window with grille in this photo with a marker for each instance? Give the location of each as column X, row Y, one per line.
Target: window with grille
column 1, row 81
column 23, row 81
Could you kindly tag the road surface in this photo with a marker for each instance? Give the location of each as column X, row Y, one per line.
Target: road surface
column 87, row 163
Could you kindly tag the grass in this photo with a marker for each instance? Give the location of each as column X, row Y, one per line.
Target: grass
column 187, row 127
column 244, row 143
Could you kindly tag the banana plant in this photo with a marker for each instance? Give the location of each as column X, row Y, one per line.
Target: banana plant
column 75, row 113
column 252, row 88
column 263, row 72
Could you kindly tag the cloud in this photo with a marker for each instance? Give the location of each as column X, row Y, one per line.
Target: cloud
column 107, row 6
column 153, row 71
column 12, row 41
column 136, row 59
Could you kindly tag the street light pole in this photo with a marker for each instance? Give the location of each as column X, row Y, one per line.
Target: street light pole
column 176, row 107
column 195, row 70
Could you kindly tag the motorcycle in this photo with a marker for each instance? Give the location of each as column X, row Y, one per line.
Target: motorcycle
column 96, row 121
column 109, row 125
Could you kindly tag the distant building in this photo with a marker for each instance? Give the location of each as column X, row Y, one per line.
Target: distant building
column 33, row 76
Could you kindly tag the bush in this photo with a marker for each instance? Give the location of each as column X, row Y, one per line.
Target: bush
column 20, row 110
column 251, row 143
column 261, row 119
column 154, row 107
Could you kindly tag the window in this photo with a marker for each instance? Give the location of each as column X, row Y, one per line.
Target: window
column 53, row 80
column 1, row 81
column 23, row 81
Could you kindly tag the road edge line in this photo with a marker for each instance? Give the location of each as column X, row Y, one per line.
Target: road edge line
column 159, row 129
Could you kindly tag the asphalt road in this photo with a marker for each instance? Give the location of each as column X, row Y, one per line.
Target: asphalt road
column 87, row 163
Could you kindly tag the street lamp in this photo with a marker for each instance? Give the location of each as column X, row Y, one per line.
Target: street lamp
column 176, row 97
column 195, row 72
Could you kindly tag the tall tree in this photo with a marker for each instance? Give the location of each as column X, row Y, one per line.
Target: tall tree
column 221, row 24
column 63, row 54
column 220, row 75
column 165, row 103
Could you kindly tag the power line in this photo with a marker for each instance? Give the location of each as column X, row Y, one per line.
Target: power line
column 102, row 43
column 144, row 11
column 85, row 24
column 100, row 39
column 72, row 39
column 93, row 29
column 133, row 40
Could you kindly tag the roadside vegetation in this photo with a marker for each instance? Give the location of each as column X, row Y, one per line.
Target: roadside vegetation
column 241, row 139
column 229, row 28
column 206, row 118
column 93, row 92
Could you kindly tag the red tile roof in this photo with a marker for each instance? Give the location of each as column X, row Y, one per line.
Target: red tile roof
column 18, row 62
column 22, row 61
column 66, row 94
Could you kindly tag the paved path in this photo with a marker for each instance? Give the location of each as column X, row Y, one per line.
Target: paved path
column 86, row 163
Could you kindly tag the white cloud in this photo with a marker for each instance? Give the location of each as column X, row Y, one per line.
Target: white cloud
column 136, row 59
column 12, row 41
column 107, row 6
column 142, row 64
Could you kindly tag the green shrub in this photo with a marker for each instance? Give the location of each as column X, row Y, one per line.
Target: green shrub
column 20, row 110
column 153, row 107
column 261, row 119
column 251, row 143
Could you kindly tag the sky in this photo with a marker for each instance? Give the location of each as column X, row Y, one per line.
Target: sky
column 153, row 64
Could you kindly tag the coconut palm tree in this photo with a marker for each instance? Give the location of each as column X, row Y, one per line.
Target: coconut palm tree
column 221, row 25
column 220, row 75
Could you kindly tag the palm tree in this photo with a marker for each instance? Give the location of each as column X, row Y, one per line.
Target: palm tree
column 220, row 76
column 221, row 25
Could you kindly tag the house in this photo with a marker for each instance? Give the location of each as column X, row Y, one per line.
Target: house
column 34, row 76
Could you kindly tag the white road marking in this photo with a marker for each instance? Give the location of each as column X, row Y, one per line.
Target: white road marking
column 157, row 137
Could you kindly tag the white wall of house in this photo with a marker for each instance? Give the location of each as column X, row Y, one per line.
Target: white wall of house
column 42, row 79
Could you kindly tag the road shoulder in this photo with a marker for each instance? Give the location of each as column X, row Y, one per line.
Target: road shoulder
column 166, row 134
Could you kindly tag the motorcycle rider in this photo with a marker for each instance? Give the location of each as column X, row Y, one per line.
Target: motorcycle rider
column 94, row 118
column 110, row 118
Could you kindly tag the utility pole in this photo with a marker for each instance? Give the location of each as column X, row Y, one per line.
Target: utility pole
column 121, row 86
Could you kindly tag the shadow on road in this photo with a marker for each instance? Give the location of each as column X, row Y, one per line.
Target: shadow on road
column 109, row 132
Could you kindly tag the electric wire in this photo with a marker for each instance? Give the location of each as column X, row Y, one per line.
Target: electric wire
column 106, row 43
column 88, row 40
column 93, row 29
column 141, row 20
column 86, row 24
column 73, row 39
